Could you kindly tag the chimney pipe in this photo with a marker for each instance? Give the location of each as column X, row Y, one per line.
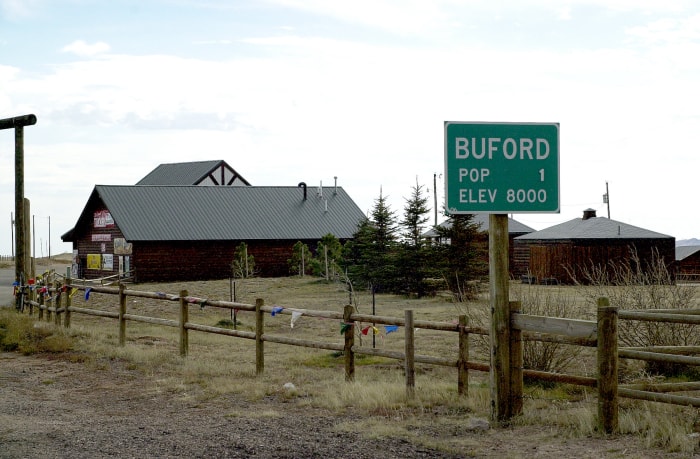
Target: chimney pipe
column 303, row 185
column 589, row 213
column 335, row 188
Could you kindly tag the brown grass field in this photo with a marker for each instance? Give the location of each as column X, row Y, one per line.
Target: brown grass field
column 557, row 421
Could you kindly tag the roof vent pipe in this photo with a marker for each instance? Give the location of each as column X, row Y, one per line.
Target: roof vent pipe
column 303, row 185
column 589, row 213
column 335, row 188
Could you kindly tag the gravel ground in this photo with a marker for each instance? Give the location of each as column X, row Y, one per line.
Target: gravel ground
column 54, row 408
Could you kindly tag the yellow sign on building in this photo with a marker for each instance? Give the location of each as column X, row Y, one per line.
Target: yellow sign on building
column 94, row 261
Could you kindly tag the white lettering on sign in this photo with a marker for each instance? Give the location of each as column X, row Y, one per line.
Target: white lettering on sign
column 510, row 148
column 481, row 195
column 475, row 175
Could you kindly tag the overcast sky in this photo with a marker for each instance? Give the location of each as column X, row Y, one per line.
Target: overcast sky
column 305, row 90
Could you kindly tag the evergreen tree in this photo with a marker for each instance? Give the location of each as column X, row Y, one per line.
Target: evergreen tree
column 356, row 253
column 384, row 248
column 459, row 257
column 413, row 254
column 371, row 256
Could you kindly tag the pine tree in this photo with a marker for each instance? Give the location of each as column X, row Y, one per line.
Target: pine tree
column 459, row 255
column 413, row 248
column 371, row 256
column 384, row 248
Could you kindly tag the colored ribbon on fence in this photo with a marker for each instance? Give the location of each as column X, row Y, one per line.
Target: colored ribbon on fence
column 344, row 327
column 295, row 317
column 366, row 330
column 276, row 310
column 87, row 293
column 390, row 328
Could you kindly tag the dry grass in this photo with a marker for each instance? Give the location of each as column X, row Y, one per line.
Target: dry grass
column 218, row 365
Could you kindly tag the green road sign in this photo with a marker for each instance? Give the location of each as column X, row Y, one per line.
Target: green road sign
column 501, row 168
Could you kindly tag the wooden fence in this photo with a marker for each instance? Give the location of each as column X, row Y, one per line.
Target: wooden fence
column 56, row 300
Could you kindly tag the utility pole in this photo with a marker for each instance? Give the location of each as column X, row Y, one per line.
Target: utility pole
column 12, row 233
column 435, row 196
column 18, row 123
column 606, row 198
column 49, row 240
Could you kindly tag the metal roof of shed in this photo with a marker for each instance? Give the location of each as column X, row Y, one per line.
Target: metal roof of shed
column 179, row 213
column 593, row 228
column 514, row 226
column 684, row 251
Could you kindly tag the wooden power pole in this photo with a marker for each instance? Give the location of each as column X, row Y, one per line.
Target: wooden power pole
column 21, row 220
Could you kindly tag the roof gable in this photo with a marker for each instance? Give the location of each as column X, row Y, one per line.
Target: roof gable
column 593, row 228
column 177, row 213
column 685, row 251
column 216, row 172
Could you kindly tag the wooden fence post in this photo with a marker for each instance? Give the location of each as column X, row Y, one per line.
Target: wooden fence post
column 259, row 343
column 57, row 302
column 463, row 358
column 67, row 302
column 516, row 365
column 349, row 343
column 608, row 421
column 410, row 348
column 41, row 306
column 184, row 317
column 122, row 312
column 32, row 296
column 48, row 303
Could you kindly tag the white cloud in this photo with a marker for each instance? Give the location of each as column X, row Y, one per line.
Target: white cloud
column 17, row 9
column 80, row 48
column 310, row 106
column 405, row 17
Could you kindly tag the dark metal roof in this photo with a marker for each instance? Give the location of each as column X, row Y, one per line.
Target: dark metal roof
column 179, row 213
column 684, row 251
column 189, row 173
column 514, row 226
column 593, row 228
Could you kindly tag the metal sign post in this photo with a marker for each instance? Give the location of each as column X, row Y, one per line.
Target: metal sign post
column 18, row 123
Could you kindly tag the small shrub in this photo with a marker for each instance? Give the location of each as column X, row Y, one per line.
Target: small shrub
column 536, row 300
column 228, row 323
column 22, row 334
column 634, row 285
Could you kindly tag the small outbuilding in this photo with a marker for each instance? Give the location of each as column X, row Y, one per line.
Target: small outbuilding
column 688, row 263
column 557, row 253
column 173, row 233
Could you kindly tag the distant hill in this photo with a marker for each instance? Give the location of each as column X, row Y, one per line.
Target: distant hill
column 684, row 242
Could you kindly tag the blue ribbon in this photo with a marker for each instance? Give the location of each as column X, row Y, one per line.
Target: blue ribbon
column 390, row 328
column 276, row 309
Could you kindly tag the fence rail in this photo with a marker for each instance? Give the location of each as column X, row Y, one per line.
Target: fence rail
column 601, row 333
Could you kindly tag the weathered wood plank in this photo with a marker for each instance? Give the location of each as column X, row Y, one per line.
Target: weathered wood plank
column 573, row 328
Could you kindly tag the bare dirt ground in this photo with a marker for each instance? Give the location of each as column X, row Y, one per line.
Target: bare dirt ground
column 54, row 408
